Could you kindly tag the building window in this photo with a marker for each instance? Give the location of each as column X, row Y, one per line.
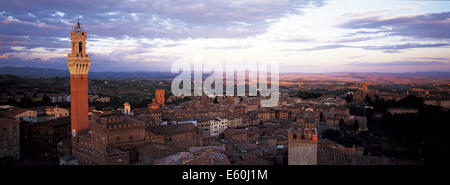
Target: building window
column 118, row 139
column 131, row 138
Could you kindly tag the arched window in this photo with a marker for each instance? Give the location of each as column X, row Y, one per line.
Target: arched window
column 131, row 138
column 80, row 45
column 117, row 139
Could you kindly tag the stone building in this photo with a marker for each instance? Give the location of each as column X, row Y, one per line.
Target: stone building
column 40, row 140
column 212, row 126
column 307, row 120
column 113, row 138
column 235, row 134
column 282, row 114
column 35, row 114
column 48, row 113
column 127, row 109
column 20, row 114
column 331, row 153
column 10, row 138
column 302, row 146
column 179, row 136
column 206, row 155
column 442, row 103
column 235, row 121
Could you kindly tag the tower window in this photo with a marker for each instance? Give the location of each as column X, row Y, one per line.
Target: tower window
column 80, row 45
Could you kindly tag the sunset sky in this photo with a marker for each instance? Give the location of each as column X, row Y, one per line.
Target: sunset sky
column 303, row 36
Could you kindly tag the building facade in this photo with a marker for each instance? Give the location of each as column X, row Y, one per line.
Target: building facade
column 9, row 137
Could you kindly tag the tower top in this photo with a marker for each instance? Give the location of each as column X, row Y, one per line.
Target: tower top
column 78, row 60
column 78, row 27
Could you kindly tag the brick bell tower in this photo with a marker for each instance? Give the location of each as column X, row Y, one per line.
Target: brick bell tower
column 78, row 62
column 159, row 96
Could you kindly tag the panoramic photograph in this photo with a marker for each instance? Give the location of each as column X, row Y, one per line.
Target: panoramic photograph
column 248, row 83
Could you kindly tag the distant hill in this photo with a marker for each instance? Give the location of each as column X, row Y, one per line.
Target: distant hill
column 47, row 72
column 33, row 72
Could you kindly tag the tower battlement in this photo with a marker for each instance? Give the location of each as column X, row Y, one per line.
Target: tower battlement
column 303, row 135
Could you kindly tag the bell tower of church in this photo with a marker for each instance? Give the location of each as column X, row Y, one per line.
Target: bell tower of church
column 78, row 62
column 159, row 96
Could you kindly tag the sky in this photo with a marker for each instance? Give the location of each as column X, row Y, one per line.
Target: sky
column 308, row 36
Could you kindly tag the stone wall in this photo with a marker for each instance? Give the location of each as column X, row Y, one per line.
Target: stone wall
column 327, row 155
column 302, row 153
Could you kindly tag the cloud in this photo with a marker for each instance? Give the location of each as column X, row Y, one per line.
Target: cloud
column 398, row 63
column 150, row 19
column 434, row 58
column 352, row 39
column 325, row 47
column 296, row 39
column 404, row 46
column 229, row 47
column 391, row 51
column 46, row 24
column 432, row 25
column 387, row 48
column 55, row 63
column 365, row 13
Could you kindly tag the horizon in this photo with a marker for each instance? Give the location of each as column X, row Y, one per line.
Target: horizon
column 344, row 72
column 326, row 36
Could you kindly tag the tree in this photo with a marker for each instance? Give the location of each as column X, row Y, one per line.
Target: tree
column 367, row 99
column 377, row 98
column 26, row 101
column 341, row 124
column 331, row 134
column 349, row 98
column 307, row 95
column 46, row 100
column 355, row 125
